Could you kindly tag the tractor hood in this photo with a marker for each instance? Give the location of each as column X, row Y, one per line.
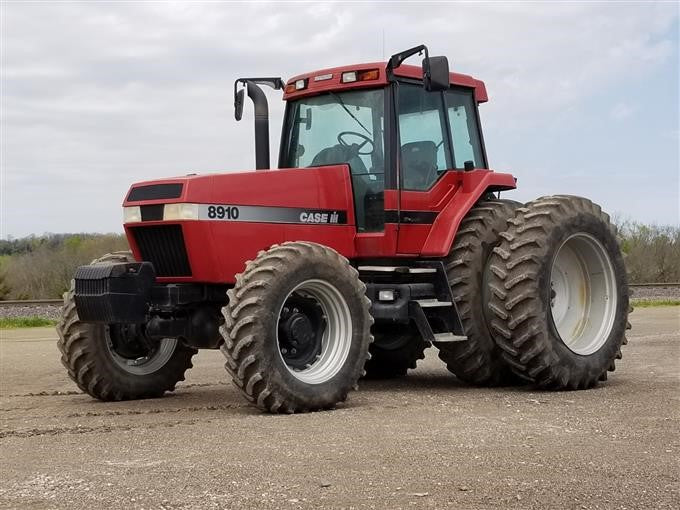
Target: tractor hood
column 309, row 189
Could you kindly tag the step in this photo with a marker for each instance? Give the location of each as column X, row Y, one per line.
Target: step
column 449, row 337
column 432, row 303
column 397, row 269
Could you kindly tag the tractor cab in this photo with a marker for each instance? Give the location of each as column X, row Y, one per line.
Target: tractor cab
column 396, row 127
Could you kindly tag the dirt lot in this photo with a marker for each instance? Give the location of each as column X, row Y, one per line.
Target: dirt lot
column 424, row 442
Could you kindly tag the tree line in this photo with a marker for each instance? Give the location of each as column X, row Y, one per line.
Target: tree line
column 41, row 267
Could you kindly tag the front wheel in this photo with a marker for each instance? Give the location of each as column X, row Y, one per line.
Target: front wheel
column 297, row 328
column 559, row 293
column 117, row 361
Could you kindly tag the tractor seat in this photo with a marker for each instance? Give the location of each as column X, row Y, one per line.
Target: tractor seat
column 418, row 163
column 339, row 155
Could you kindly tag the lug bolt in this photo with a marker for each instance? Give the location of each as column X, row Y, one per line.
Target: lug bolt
column 284, row 351
column 293, row 350
column 285, row 310
column 295, row 310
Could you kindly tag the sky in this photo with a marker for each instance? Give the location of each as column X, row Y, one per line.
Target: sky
column 583, row 96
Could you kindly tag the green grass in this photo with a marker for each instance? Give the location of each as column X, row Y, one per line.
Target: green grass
column 39, row 322
column 648, row 303
column 25, row 322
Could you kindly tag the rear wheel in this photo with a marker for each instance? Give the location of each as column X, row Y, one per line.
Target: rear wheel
column 117, row 361
column 559, row 293
column 478, row 360
column 297, row 328
column 395, row 349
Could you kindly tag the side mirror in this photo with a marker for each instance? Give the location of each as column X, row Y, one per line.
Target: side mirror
column 238, row 104
column 436, row 74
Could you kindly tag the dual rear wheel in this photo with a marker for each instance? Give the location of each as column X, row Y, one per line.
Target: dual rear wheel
column 559, row 294
column 542, row 294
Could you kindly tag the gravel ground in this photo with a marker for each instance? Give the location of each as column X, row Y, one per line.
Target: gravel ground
column 425, row 441
column 53, row 311
column 44, row 311
column 648, row 293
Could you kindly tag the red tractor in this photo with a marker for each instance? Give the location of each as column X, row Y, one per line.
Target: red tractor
column 380, row 234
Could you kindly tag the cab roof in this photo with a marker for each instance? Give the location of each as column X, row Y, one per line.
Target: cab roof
column 324, row 80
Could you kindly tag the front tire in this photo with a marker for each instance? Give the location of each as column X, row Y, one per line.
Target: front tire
column 113, row 362
column 559, row 293
column 297, row 328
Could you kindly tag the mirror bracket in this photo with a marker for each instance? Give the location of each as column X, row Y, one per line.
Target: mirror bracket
column 275, row 83
column 435, row 69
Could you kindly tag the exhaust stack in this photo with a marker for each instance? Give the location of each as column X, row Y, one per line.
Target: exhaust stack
column 261, row 106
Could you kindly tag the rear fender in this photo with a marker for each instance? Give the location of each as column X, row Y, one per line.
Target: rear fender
column 473, row 185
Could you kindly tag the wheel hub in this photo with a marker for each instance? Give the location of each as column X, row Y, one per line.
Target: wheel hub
column 301, row 327
column 314, row 332
column 132, row 351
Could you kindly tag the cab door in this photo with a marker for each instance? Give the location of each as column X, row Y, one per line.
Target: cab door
column 424, row 161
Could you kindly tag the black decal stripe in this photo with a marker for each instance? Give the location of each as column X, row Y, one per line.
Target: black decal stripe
column 152, row 212
column 410, row 217
column 269, row 214
column 155, row 192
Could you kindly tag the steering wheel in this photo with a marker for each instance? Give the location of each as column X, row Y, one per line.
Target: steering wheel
column 365, row 139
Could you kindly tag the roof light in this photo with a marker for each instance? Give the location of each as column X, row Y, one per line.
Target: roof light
column 296, row 85
column 353, row 76
column 323, row 77
column 349, row 77
column 371, row 74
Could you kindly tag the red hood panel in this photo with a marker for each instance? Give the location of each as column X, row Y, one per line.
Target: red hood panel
column 322, row 188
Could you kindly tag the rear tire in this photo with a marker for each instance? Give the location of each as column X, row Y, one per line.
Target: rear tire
column 559, row 293
column 395, row 349
column 96, row 366
column 297, row 328
column 478, row 360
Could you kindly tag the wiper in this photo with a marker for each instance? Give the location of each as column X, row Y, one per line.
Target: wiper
column 344, row 106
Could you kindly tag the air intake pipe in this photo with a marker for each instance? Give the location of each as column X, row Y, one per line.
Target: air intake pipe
column 261, row 106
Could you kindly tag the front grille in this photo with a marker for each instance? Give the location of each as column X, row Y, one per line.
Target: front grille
column 163, row 246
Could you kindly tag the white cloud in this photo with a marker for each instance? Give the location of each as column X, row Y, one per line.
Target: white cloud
column 622, row 111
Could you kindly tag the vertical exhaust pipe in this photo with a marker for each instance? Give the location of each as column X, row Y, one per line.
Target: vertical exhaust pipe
column 261, row 126
column 261, row 114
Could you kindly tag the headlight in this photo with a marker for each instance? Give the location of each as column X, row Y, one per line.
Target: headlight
column 132, row 214
column 180, row 212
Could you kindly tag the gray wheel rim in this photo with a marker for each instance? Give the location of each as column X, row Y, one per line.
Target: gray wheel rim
column 337, row 337
column 583, row 294
column 144, row 365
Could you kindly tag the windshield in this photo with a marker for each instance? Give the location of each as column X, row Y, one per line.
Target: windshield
column 336, row 128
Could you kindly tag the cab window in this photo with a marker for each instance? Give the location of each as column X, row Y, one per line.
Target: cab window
column 343, row 128
column 423, row 139
column 462, row 112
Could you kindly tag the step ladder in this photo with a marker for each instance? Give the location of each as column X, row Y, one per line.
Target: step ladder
column 426, row 298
